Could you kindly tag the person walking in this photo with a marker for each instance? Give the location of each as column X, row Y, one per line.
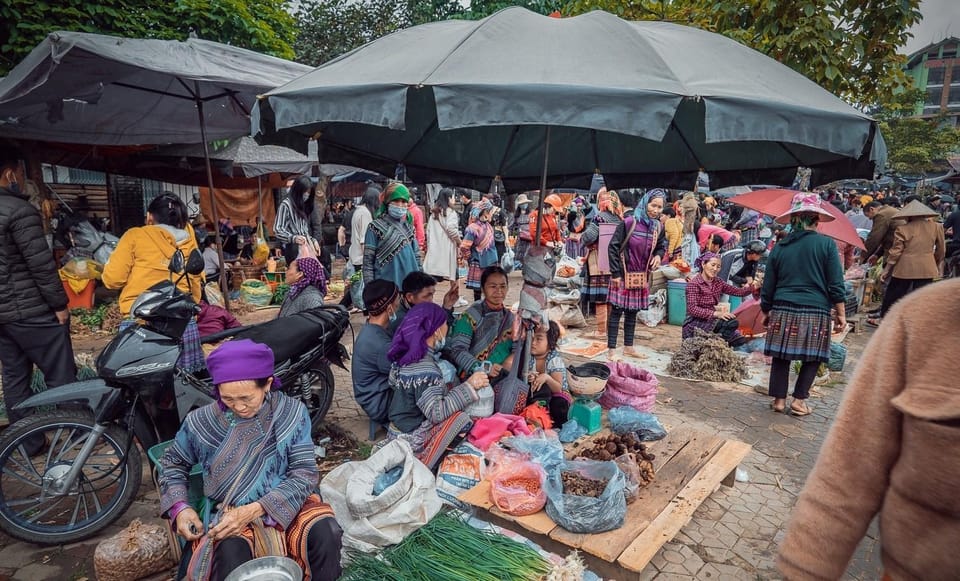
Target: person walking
column 595, row 292
column 521, row 228
column 34, row 320
column 390, row 249
column 802, row 281
column 478, row 245
column 443, row 238
column 362, row 217
column 915, row 258
column 636, row 249
column 298, row 224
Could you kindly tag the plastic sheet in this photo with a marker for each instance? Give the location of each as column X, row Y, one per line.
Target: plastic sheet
column 644, row 424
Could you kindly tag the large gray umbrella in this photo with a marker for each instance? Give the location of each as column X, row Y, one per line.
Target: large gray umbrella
column 645, row 103
column 76, row 87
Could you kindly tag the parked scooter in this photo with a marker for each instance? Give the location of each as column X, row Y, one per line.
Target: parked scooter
column 89, row 469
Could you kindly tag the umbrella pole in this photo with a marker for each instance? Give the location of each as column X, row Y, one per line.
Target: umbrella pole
column 543, row 185
column 213, row 199
column 260, row 201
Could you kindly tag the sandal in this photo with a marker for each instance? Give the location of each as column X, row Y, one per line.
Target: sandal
column 778, row 408
column 873, row 321
column 799, row 411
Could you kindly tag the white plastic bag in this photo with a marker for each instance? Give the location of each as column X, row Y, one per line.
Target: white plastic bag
column 371, row 522
column 507, row 262
column 568, row 297
column 656, row 310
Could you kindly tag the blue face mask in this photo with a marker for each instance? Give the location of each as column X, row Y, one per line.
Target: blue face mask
column 441, row 342
column 393, row 317
column 396, row 212
column 14, row 188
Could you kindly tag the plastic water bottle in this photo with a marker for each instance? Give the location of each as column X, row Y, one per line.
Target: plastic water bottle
column 483, row 407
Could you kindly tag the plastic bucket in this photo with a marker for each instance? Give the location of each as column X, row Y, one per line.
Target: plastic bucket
column 676, row 301
column 734, row 302
column 84, row 300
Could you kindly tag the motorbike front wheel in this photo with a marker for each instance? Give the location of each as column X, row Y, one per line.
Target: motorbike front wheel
column 33, row 509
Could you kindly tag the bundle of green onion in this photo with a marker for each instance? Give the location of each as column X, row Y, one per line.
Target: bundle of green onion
column 448, row 549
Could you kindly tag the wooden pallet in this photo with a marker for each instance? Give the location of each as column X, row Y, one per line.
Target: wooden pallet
column 690, row 466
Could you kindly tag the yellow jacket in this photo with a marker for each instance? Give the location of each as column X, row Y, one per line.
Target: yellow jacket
column 673, row 230
column 141, row 259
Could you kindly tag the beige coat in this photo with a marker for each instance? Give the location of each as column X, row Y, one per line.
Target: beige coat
column 917, row 251
column 880, row 238
column 893, row 450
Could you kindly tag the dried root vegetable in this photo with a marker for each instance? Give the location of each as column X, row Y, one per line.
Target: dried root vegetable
column 580, row 485
column 707, row 357
column 613, row 446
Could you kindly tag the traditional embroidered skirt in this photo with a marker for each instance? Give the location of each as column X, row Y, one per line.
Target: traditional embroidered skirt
column 798, row 333
column 572, row 248
column 628, row 299
column 430, row 441
column 473, row 276
column 597, row 288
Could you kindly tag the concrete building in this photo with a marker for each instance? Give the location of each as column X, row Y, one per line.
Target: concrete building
column 935, row 69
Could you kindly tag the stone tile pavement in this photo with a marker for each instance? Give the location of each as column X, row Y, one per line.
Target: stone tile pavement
column 733, row 535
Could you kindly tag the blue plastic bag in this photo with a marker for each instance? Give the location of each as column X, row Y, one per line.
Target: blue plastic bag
column 571, row 431
column 542, row 449
column 585, row 514
column 644, row 424
column 838, row 357
column 387, row 479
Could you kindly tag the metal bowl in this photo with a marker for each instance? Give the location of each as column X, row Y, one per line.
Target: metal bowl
column 267, row 569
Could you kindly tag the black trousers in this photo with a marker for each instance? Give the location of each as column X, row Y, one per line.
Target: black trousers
column 613, row 326
column 780, row 378
column 323, row 553
column 40, row 341
column 898, row 288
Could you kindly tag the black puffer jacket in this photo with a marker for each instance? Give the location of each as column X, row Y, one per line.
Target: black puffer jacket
column 29, row 283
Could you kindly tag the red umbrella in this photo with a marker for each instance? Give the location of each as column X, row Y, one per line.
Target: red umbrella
column 776, row 201
column 750, row 317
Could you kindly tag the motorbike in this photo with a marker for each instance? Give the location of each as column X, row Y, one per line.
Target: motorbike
column 89, row 470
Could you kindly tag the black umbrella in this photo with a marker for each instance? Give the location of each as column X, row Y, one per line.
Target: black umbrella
column 76, row 87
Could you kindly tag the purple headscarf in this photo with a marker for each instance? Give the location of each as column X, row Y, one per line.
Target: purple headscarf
column 240, row 360
column 313, row 275
column 704, row 258
column 410, row 340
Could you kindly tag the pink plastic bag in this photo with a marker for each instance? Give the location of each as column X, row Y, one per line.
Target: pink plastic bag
column 516, row 483
column 631, row 386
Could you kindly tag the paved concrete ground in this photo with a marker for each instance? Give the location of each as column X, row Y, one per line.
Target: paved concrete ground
column 734, row 534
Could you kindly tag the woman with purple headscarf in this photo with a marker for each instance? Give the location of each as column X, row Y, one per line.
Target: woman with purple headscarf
column 423, row 411
column 308, row 286
column 637, row 246
column 703, row 299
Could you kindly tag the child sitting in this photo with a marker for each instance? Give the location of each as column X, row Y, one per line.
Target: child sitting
column 547, row 373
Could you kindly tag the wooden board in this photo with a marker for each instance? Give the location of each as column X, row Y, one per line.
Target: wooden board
column 689, row 466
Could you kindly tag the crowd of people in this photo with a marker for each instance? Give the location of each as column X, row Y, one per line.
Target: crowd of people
column 418, row 366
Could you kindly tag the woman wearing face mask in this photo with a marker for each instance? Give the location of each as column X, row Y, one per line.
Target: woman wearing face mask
column 549, row 228
column 298, row 224
column 443, row 238
column 703, row 297
column 521, row 228
column 478, row 245
column 637, row 247
column 423, row 411
column 390, row 250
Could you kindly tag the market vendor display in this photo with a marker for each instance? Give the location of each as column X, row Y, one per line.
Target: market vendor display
column 423, row 411
column 703, row 302
column 259, row 474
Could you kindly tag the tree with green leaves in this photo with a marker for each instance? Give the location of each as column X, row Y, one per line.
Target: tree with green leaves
column 915, row 145
column 262, row 25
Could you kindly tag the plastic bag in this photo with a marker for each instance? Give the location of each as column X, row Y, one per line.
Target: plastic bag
column 627, row 463
column 261, row 250
column 569, row 297
column 645, row 425
column 462, row 469
column 371, row 522
column 543, row 449
column 630, row 385
column 585, row 514
column 483, row 407
column 571, row 431
column 387, row 479
column 136, row 552
column 214, row 296
column 516, row 488
column 567, row 315
column 507, row 262
column 656, row 311
column 255, row 292
column 838, row 357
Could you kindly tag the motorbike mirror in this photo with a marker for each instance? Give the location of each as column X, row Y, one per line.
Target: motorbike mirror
column 195, row 264
column 176, row 262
